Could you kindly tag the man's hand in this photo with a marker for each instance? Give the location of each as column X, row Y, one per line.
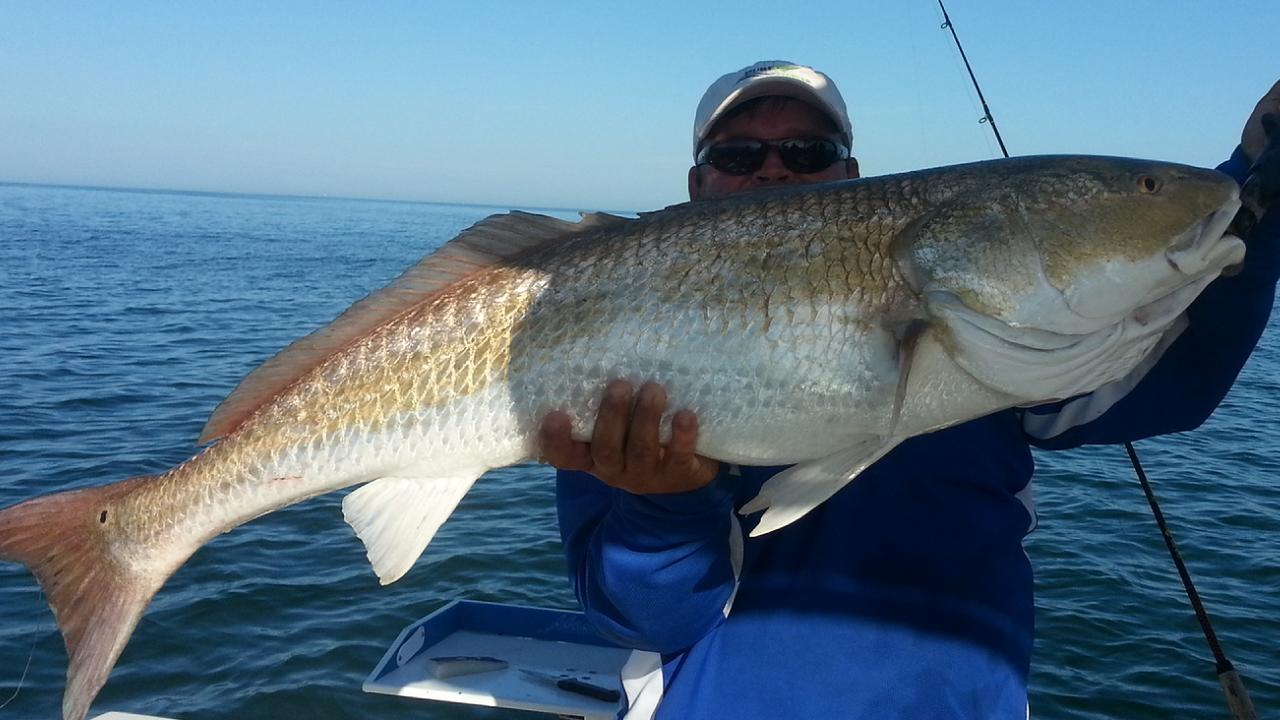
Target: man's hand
column 624, row 451
column 1254, row 138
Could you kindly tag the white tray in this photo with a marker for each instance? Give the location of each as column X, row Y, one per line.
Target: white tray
column 555, row 642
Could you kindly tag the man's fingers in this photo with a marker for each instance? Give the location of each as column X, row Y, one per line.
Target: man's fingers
column 684, row 433
column 643, row 452
column 612, row 426
column 625, row 449
column 682, row 460
column 558, row 447
column 1254, row 137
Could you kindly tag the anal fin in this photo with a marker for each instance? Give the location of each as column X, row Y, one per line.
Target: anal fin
column 397, row 517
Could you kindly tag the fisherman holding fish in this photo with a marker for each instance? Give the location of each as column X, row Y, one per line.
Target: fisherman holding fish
column 907, row 594
column 900, row 341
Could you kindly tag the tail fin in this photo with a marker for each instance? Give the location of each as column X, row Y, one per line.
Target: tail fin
column 65, row 541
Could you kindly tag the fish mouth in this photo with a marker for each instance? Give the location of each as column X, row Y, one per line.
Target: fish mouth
column 1163, row 312
column 1200, row 255
column 1192, row 259
column 1207, row 246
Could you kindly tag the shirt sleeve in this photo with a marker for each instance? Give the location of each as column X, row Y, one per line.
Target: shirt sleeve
column 1185, row 382
column 654, row 572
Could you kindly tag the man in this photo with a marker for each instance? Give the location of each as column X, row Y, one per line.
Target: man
column 907, row 594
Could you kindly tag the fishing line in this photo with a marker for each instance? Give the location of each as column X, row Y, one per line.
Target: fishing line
column 1237, row 696
column 986, row 111
column 22, row 679
column 35, row 639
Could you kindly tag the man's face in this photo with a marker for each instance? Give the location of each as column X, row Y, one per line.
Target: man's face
column 769, row 121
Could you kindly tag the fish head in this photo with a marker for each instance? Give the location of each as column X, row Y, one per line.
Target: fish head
column 1074, row 244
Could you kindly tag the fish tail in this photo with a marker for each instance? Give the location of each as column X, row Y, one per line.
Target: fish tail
column 96, row 599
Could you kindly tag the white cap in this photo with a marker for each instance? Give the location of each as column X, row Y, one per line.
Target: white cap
column 771, row 77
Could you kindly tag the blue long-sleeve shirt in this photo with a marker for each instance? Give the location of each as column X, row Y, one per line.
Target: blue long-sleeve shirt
column 907, row 593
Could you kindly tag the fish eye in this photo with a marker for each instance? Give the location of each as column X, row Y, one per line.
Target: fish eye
column 1149, row 185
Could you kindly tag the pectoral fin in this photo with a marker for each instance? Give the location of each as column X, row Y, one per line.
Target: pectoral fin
column 397, row 517
column 789, row 495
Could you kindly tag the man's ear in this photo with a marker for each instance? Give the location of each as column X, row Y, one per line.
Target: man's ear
column 695, row 182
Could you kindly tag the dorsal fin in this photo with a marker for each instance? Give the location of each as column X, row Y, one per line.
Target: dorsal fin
column 491, row 241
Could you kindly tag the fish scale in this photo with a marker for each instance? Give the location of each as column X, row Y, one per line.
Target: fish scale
column 816, row 325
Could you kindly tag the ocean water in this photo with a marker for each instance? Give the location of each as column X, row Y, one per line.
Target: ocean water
column 125, row 317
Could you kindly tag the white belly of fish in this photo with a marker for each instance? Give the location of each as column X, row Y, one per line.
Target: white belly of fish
column 794, row 389
column 819, row 383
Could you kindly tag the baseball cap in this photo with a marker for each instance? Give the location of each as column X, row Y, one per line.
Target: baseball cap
column 770, row 77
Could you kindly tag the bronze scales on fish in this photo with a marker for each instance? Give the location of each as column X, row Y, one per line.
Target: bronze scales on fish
column 854, row 314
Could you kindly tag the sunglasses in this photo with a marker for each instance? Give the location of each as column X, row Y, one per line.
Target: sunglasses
column 744, row 156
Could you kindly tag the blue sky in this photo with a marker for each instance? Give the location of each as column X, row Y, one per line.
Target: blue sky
column 588, row 105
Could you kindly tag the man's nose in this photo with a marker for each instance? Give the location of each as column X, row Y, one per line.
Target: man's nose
column 773, row 171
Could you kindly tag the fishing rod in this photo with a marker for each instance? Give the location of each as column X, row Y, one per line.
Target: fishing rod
column 986, row 111
column 1237, row 697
